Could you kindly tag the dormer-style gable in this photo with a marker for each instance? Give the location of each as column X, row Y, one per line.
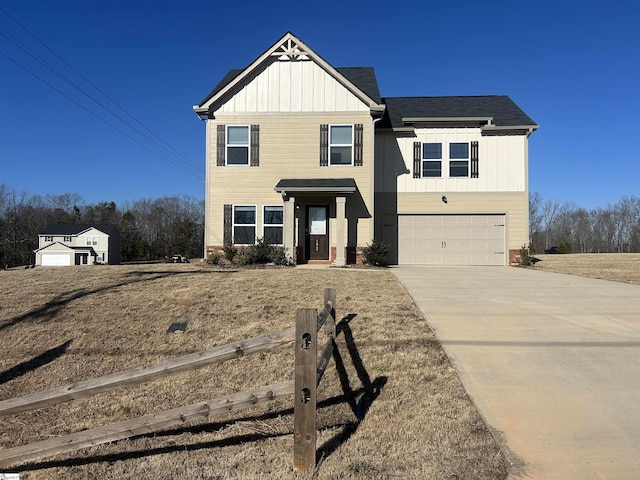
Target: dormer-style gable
column 291, row 77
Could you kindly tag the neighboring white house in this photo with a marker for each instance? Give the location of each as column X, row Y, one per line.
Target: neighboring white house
column 313, row 158
column 65, row 245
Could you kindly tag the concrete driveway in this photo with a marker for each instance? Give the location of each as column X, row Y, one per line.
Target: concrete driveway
column 552, row 361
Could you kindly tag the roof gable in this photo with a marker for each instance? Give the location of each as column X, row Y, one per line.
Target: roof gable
column 359, row 82
column 77, row 229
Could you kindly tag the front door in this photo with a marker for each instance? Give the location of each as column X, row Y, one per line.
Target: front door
column 317, row 232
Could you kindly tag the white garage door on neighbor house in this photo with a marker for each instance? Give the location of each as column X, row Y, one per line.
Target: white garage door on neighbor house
column 451, row 240
column 57, row 260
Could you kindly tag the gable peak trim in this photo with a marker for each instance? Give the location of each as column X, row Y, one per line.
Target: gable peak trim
column 291, row 50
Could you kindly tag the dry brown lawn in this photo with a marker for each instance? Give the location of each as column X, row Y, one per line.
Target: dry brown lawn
column 618, row 267
column 62, row 325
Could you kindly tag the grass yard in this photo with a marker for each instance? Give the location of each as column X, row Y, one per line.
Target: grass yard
column 63, row 325
column 618, row 267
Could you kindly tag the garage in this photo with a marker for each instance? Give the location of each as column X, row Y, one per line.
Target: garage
column 451, row 239
column 56, row 259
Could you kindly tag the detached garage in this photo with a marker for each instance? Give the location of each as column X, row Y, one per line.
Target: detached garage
column 451, row 239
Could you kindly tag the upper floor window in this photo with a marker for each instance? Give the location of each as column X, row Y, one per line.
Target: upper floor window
column 67, row 239
column 431, row 159
column 458, row 159
column 48, row 238
column 341, row 144
column 238, row 145
column 462, row 159
column 272, row 228
column 92, row 240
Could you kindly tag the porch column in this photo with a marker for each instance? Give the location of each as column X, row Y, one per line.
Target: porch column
column 341, row 223
column 289, row 227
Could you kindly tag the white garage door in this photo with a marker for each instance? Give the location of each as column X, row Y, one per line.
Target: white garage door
column 451, row 239
column 56, row 259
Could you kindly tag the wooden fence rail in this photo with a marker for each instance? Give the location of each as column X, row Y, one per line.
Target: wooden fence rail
column 308, row 373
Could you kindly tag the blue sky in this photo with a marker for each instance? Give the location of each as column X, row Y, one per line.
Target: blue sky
column 572, row 66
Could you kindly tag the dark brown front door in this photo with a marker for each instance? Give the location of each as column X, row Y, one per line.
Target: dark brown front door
column 318, row 232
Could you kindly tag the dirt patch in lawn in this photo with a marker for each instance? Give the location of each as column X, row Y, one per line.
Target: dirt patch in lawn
column 617, row 267
column 63, row 325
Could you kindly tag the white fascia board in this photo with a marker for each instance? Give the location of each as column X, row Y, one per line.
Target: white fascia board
column 511, row 127
column 489, row 120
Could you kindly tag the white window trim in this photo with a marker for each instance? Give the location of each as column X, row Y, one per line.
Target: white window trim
column 92, row 240
column 468, row 160
column 424, row 160
column 227, row 146
column 233, row 223
column 281, row 225
column 352, row 144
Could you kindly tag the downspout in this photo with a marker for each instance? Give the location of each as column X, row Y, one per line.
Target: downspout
column 373, row 175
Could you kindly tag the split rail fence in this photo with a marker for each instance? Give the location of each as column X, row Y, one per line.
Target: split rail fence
column 309, row 370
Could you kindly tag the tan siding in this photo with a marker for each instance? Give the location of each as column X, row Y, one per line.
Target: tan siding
column 514, row 205
column 289, row 148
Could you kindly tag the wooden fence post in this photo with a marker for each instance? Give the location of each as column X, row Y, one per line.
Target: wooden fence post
column 330, row 325
column 304, row 397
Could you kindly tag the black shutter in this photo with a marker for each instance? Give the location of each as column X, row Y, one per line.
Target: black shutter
column 227, row 236
column 474, row 159
column 357, row 145
column 222, row 144
column 324, row 145
column 255, row 146
column 417, row 159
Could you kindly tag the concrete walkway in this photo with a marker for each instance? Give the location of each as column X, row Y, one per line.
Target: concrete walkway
column 552, row 362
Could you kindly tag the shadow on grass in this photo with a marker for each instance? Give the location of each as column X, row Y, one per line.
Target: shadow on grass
column 36, row 362
column 50, row 309
column 359, row 399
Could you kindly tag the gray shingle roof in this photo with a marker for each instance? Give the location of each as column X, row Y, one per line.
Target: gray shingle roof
column 316, row 184
column 74, row 229
column 504, row 111
column 365, row 79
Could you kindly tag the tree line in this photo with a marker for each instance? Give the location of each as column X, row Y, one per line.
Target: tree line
column 150, row 229
column 611, row 229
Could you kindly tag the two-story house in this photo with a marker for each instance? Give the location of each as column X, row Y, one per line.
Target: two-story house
column 66, row 245
column 311, row 157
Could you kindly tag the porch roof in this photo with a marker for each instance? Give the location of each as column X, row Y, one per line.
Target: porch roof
column 311, row 185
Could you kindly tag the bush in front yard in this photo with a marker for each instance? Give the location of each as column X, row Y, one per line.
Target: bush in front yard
column 261, row 253
column 376, row 253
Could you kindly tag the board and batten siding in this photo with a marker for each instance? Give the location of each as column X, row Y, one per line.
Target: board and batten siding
column 502, row 162
column 289, row 148
column 285, row 86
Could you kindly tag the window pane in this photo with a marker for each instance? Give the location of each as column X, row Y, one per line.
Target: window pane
column 273, row 235
column 340, row 155
column 459, row 150
column 273, row 215
column 459, row 169
column 431, row 150
column 341, row 134
column 244, row 215
column 244, row 235
column 431, row 169
column 238, row 136
column 238, row 156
